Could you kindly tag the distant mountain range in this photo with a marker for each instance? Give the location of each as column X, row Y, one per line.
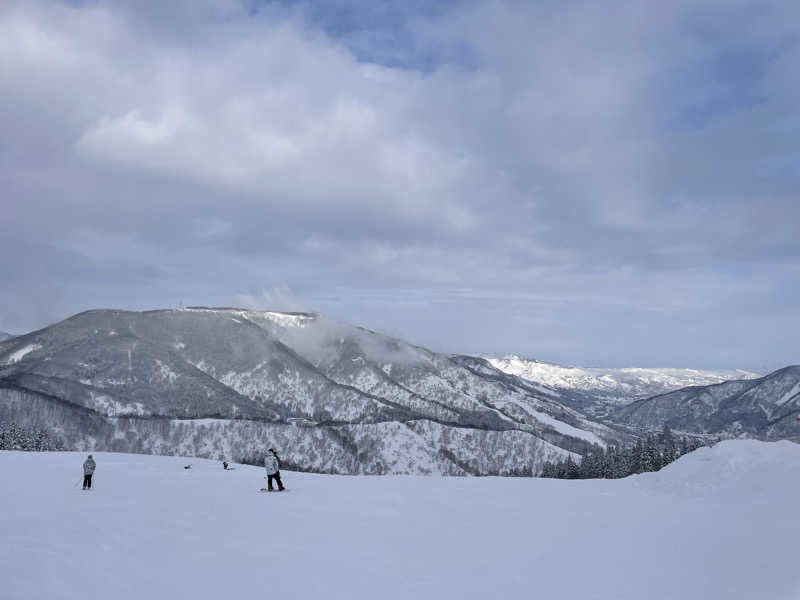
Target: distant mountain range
column 765, row 408
column 336, row 398
column 333, row 397
column 605, row 388
column 5, row 336
column 702, row 403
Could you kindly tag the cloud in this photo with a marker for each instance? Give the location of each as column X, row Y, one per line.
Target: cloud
column 279, row 298
column 535, row 162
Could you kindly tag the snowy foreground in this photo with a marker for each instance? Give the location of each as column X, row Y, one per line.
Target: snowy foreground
column 721, row 523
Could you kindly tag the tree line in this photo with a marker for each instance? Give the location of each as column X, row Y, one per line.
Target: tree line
column 19, row 437
column 647, row 454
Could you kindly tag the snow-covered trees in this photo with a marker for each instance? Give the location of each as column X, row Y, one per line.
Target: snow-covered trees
column 647, row 454
column 16, row 437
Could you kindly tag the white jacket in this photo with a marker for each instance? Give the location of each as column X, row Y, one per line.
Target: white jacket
column 271, row 463
column 89, row 466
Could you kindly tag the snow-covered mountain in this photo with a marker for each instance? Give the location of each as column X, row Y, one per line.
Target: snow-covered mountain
column 5, row 336
column 333, row 397
column 614, row 386
column 720, row 523
column 764, row 408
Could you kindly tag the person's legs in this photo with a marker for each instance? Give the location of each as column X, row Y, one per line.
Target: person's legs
column 278, row 479
column 269, row 482
column 89, row 479
column 85, row 481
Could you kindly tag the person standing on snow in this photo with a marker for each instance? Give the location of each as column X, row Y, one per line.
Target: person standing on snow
column 273, row 465
column 88, row 470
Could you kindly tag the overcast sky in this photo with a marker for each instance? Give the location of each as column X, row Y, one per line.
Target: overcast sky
column 596, row 183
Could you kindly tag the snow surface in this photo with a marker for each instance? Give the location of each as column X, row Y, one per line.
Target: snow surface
column 280, row 318
column 18, row 355
column 719, row 524
column 789, row 395
column 288, row 320
column 560, row 426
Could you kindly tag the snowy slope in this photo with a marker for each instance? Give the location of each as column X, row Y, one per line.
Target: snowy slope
column 5, row 336
column 719, row 524
column 618, row 385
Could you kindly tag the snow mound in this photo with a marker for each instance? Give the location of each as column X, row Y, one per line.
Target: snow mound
column 719, row 524
column 727, row 468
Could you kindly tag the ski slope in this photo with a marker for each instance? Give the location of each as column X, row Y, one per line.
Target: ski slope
column 719, row 524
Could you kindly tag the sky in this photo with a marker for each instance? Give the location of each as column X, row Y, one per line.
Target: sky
column 589, row 183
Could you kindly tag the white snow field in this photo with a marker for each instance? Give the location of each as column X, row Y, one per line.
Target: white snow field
column 719, row 524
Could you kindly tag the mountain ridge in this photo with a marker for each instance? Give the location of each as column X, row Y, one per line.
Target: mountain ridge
column 340, row 398
column 217, row 381
column 763, row 408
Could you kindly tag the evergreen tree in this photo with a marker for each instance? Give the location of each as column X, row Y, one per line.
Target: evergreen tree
column 647, row 454
column 15, row 437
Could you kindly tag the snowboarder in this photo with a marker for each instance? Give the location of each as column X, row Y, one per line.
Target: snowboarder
column 225, row 464
column 273, row 465
column 88, row 470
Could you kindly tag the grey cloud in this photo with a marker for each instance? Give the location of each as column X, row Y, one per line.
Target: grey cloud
column 564, row 182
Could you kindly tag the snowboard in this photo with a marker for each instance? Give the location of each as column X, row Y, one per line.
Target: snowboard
column 266, row 490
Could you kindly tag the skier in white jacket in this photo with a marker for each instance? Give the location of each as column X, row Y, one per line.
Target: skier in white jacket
column 88, row 470
column 273, row 465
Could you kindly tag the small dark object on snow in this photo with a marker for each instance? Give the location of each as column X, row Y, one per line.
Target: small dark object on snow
column 188, row 467
column 225, row 464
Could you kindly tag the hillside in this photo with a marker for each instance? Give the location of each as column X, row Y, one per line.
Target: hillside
column 764, row 408
column 718, row 524
column 334, row 397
